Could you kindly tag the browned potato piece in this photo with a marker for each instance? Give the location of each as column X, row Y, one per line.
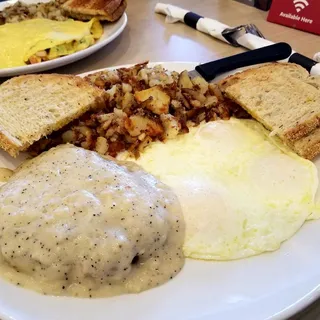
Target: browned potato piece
column 160, row 100
column 101, row 145
column 201, row 83
column 34, row 59
column 171, row 125
column 211, row 101
column 184, row 80
column 137, row 124
column 191, row 94
column 127, row 101
column 215, row 90
column 144, row 144
column 176, row 104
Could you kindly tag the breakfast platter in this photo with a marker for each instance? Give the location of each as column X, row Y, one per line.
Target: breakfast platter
column 110, row 32
column 275, row 284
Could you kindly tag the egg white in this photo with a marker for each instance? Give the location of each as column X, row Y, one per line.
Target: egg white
column 240, row 193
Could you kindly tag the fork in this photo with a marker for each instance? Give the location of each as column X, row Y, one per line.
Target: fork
column 232, row 34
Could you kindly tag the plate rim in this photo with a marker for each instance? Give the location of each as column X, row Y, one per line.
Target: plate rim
column 128, row 65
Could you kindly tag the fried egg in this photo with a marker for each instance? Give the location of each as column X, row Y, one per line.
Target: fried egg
column 240, row 193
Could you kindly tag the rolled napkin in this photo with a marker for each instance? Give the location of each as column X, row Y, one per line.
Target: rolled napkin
column 205, row 25
column 216, row 29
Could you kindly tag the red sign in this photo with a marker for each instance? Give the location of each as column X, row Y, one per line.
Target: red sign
column 299, row 14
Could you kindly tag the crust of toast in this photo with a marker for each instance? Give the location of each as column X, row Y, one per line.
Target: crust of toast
column 95, row 100
column 292, row 68
column 9, row 144
column 110, row 10
column 308, row 147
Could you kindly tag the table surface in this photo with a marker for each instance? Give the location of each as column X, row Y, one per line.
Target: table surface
column 148, row 37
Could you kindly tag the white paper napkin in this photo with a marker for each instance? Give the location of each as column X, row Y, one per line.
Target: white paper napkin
column 205, row 25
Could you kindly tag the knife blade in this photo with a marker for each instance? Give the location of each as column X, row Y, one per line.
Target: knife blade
column 274, row 52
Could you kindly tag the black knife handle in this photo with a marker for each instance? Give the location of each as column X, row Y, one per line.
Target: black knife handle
column 274, row 52
column 303, row 61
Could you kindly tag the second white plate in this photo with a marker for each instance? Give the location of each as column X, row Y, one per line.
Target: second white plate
column 110, row 32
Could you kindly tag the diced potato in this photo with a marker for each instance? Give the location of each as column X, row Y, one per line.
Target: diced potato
column 126, row 87
column 86, row 131
column 105, row 117
column 101, row 145
column 42, row 54
column 160, row 100
column 144, row 144
column 110, row 132
column 143, row 75
column 201, row 117
column 196, row 103
column 171, row 125
column 114, row 137
column 87, row 134
column 69, row 136
column 185, row 81
column 127, row 101
column 176, row 104
column 142, row 136
column 180, row 97
column 34, row 59
column 114, row 92
column 215, row 90
column 211, row 101
column 201, row 83
column 160, row 78
column 105, row 125
column 119, row 113
column 111, row 77
column 191, row 94
column 191, row 124
column 175, row 75
column 137, row 124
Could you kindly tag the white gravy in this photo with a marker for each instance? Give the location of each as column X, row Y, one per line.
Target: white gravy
column 74, row 223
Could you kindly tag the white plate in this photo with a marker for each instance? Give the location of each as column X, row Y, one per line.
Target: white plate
column 110, row 32
column 270, row 286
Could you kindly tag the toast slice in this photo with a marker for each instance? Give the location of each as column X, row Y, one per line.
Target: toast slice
column 283, row 97
column 109, row 10
column 33, row 106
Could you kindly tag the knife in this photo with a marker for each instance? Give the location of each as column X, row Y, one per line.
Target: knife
column 274, row 52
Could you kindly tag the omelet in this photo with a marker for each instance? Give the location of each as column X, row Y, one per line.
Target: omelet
column 240, row 193
column 37, row 40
